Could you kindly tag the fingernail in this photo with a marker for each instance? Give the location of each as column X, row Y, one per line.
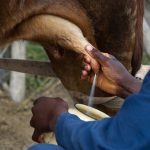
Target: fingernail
column 83, row 66
column 89, row 48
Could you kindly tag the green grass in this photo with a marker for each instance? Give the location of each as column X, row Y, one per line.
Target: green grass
column 146, row 59
column 35, row 52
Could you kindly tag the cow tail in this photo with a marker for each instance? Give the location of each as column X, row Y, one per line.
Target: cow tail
column 138, row 50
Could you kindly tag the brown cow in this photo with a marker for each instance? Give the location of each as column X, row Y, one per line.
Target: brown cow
column 112, row 26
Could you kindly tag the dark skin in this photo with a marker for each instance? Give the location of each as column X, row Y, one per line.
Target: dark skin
column 112, row 77
column 45, row 113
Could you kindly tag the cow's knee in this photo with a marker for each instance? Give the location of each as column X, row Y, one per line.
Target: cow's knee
column 45, row 147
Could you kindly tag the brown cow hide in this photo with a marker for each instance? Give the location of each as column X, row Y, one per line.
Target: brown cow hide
column 112, row 26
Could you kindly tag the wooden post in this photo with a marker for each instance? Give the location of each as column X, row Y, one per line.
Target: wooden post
column 17, row 80
column 146, row 27
column 146, row 31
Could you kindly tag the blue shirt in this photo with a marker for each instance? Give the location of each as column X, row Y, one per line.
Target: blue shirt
column 128, row 130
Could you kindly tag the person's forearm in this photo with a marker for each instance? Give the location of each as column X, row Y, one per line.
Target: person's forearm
column 123, row 93
column 135, row 86
column 130, row 86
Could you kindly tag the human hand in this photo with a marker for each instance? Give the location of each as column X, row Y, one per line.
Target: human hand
column 112, row 76
column 45, row 113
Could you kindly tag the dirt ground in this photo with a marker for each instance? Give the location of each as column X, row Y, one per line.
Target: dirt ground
column 15, row 131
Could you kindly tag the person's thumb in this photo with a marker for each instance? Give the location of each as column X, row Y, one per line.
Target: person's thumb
column 36, row 135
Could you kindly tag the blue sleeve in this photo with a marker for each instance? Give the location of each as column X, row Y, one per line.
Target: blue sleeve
column 128, row 130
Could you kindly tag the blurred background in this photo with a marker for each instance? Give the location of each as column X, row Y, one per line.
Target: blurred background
column 18, row 90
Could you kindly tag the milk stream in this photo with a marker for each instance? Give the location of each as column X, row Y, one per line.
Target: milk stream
column 92, row 92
